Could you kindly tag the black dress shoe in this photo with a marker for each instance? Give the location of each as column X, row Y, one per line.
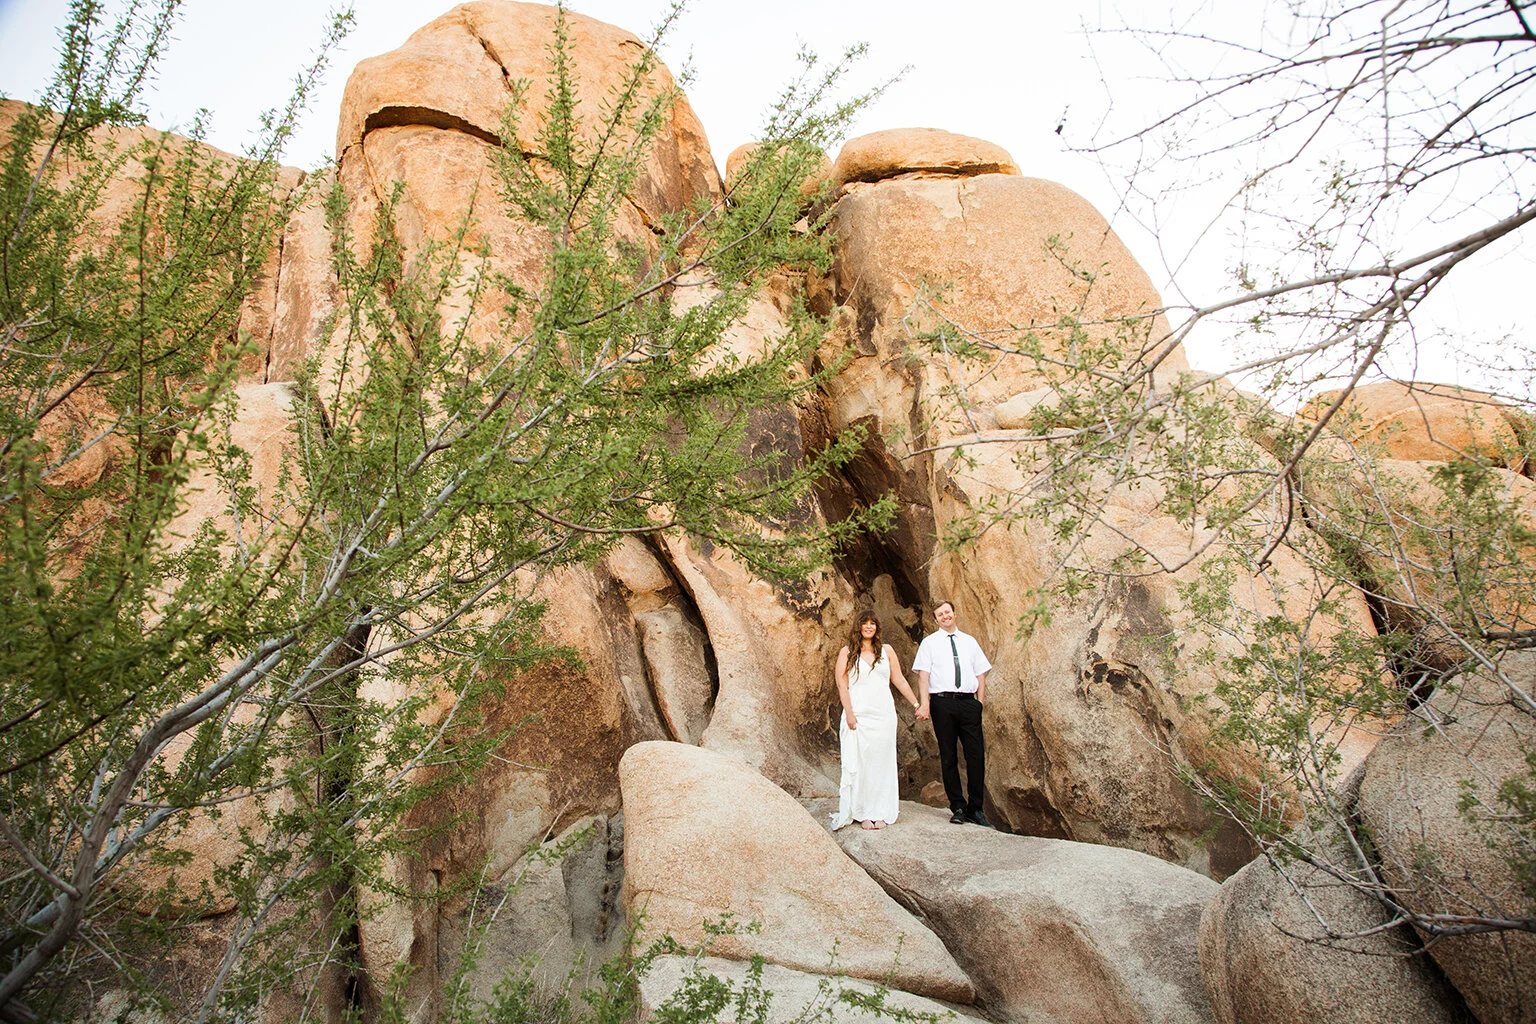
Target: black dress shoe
column 958, row 817
column 976, row 818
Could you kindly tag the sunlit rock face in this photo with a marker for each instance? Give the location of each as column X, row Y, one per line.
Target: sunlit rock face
column 1089, row 716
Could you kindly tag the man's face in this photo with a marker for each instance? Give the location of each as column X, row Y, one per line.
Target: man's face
column 944, row 615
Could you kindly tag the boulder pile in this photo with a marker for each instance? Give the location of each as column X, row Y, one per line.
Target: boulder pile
column 675, row 761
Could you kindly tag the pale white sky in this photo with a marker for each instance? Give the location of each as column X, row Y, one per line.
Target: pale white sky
column 1008, row 71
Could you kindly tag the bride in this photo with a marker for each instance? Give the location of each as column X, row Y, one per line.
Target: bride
column 866, row 671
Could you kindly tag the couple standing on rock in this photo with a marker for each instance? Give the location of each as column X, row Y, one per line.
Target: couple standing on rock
column 951, row 669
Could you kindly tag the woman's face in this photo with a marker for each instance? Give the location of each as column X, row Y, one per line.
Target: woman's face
column 867, row 629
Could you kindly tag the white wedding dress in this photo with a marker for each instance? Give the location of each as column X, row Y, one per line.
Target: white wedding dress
column 868, row 791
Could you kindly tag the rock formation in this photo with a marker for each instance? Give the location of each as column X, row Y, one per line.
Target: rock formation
column 1435, row 422
column 702, row 710
column 792, row 995
column 1296, row 943
column 1049, row 929
column 1438, row 858
column 706, row 836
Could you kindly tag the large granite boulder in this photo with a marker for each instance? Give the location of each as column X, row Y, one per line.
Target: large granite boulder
column 707, row 836
column 1447, row 845
column 1048, row 930
column 918, row 151
column 1090, row 715
column 790, row 996
column 457, row 74
column 427, row 118
column 1436, row 542
column 1286, row 942
column 1434, row 422
column 294, row 288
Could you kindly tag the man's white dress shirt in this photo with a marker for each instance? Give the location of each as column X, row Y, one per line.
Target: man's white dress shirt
column 936, row 656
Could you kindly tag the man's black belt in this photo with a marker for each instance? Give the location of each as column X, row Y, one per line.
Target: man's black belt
column 954, row 693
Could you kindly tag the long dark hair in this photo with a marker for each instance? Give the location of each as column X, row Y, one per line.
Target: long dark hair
column 856, row 635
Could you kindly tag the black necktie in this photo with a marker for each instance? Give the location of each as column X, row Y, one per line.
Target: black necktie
column 956, row 652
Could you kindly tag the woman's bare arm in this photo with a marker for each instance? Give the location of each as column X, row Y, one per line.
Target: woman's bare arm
column 900, row 681
column 841, row 673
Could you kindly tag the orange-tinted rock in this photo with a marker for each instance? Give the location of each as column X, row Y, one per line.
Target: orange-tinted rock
column 456, row 74
column 1437, row 422
column 927, row 151
column 740, row 159
column 1431, row 550
column 262, row 428
column 989, row 255
column 305, row 292
column 266, row 315
column 1088, row 715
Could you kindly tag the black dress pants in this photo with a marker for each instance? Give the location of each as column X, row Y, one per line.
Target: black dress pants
column 959, row 718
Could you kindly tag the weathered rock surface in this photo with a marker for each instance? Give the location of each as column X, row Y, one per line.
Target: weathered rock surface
column 678, row 639
column 305, row 291
column 706, row 835
column 985, row 246
column 456, row 73
column 554, row 914
column 1084, row 714
column 769, row 654
column 1476, row 731
column 1269, row 958
column 926, row 151
column 1437, row 422
column 559, row 766
column 1407, row 523
column 740, row 158
column 293, row 290
column 1016, row 412
column 791, row 995
column 1048, row 930
column 262, row 428
column 1090, row 714
column 679, row 672
column 428, row 116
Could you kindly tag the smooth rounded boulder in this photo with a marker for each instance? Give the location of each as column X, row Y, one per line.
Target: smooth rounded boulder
column 1268, row 956
column 1447, row 844
column 740, row 161
column 927, row 151
column 1071, row 933
column 707, row 836
column 791, row 997
column 457, row 73
column 1437, row 422
column 994, row 258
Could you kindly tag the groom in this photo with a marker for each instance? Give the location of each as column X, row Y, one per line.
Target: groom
column 952, row 670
